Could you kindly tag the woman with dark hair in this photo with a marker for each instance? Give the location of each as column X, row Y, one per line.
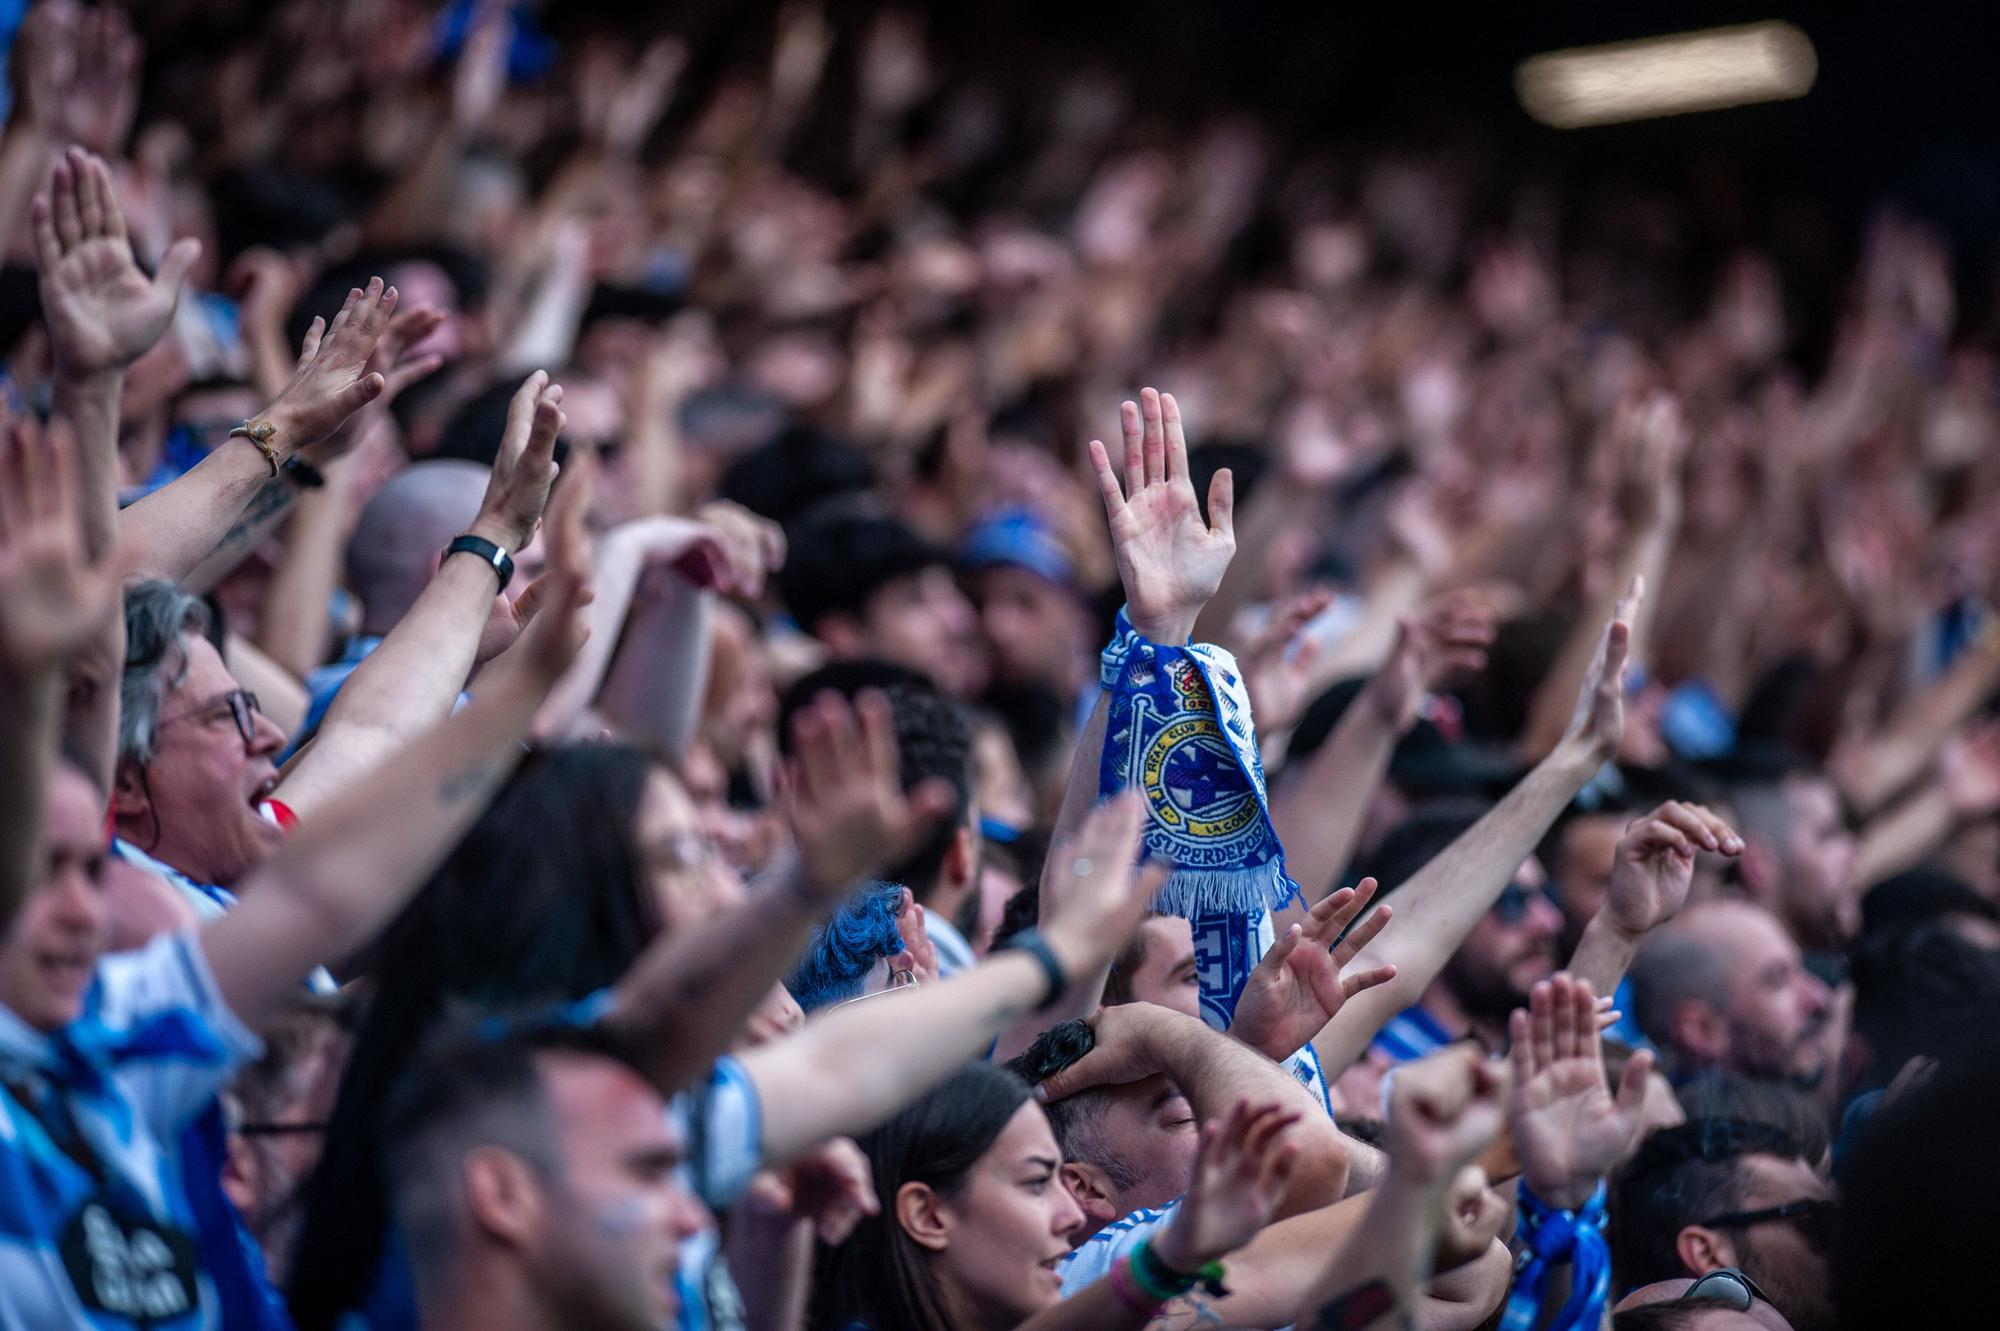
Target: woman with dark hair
column 580, row 861
column 975, row 1221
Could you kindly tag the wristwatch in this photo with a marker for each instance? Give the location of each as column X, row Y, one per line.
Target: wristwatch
column 496, row 556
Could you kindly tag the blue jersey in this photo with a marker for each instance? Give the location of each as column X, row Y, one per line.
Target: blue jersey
column 96, row 1230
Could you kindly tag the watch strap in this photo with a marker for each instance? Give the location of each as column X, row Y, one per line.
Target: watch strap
column 494, row 556
column 1031, row 942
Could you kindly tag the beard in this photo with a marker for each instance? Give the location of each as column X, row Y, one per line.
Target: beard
column 1485, row 991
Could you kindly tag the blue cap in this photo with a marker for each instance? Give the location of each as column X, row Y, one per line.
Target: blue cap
column 1018, row 538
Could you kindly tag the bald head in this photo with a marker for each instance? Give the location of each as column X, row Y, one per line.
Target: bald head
column 1725, row 986
column 403, row 531
column 1669, row 1309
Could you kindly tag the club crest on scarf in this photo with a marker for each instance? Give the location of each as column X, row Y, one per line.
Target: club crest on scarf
column 1180, row 729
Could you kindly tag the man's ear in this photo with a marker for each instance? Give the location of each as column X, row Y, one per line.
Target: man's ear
column 841, row 633
column 128, row 791
column 502, row 1195
column 1757, row 870
column 239, row 1175
column 1695, row 1027
column 923, row 1217
column 1092, row 1191
column 961, row 857
column 1702, row 1250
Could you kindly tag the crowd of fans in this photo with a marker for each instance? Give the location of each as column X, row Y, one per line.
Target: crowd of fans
column 552, row 571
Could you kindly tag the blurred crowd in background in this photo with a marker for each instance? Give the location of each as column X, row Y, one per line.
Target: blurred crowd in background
column 829, row 310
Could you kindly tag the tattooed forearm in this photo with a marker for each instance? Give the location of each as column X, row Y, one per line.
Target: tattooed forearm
column 1373, row 1304
column 263, row 509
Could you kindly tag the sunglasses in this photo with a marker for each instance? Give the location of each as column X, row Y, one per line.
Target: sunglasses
column 1815, row 1218
column 243, row 709
column 1727, row 1285
column 1511, row 906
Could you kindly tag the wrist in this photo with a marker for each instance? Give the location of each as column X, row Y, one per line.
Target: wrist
column 1560, row 1194
column 98, row 379
column 1173, row 630
column 1609, row 930
column 1175, row 1247
column 1573, row 762
column 506, row 535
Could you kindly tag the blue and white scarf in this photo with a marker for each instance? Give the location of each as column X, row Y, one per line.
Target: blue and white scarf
column 1548, row 1237
column 1179, row 728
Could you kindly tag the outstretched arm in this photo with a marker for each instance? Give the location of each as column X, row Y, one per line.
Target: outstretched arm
column 225, row 497
column 1437, row 908
column 55, row 597
column 1650, row 438
column 344, row 874
column 685, row 1000
column 853, row 1067
column 413, row 678
column 1318, row 813
column 1649, row 885
column 1137, row 1040
column 1442, row 1113
column 103, row 313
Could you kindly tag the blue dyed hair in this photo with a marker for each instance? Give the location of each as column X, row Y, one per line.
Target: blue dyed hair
column 836, row 962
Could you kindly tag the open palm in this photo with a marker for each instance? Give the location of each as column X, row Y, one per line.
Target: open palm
column 103, row 312
column 53, row 598
column 1569, row 1130
column 1170, row 561
column 1297, row 987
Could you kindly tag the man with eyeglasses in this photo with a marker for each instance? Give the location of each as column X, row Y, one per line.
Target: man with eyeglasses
column 1735, row 1206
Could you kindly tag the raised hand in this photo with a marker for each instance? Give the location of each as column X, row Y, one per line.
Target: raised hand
column 1278, row 662
column 1170, row 561
column 1240, row 1171
column 1092, row 897
column 54, row 599
column 1969, row 769
column 833, row 1187
column 80, row 68
column 525, row 466
column 754, row 546
column 1448, row 635
column 1568, row 1130
column 555, row 630
column 103, row 313
column 1655, row 864
column 843, row 795
column 333, row 380
column 1474, row 1215
column 1297, row 987
column 1443, row 1112
column 395, row 358
column 1598, row 723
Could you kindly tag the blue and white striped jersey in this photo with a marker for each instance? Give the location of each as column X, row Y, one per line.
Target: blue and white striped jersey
column 95, row 1227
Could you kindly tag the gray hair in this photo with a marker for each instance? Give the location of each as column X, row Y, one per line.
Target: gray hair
column 157, row 613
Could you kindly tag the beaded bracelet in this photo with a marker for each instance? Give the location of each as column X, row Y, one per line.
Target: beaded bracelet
column 1162, row 1282
column 1128, row 1292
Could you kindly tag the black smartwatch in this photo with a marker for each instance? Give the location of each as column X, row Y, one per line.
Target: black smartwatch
column 490, row 554
column 1031, row 942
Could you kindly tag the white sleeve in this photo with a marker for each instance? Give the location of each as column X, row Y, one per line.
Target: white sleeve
column 176, row 1041
column 1103, row 1250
